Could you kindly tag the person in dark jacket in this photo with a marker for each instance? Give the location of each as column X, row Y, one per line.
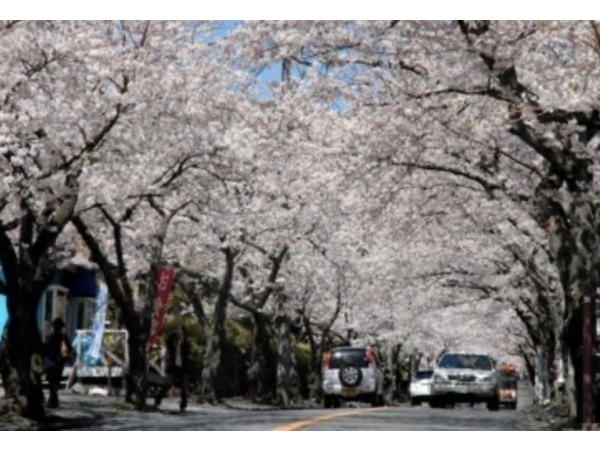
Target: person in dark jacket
column 57, row 351
column 177, row 365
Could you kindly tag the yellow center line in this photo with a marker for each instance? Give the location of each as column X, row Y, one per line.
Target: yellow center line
column 293, row 426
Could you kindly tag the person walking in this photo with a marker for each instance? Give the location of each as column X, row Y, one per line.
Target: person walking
column 57, row 351
column 177, row 365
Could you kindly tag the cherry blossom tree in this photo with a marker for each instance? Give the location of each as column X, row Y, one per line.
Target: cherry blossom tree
column 386, row 180
column 61, row 101
column 502, row 107
column 176, row 146
column 505, row 110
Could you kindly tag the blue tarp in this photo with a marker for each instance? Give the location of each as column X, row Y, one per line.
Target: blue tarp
column 3, row 310
column 3, row 313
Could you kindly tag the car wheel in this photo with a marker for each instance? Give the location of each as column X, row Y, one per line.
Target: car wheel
column 327, row 401
column 415, row 402
column 350, row 376
column 493, row 404
column 376, row 400
column 437, row 402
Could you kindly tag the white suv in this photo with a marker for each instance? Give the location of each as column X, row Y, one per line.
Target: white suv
column 464, row 377
column 351, row 373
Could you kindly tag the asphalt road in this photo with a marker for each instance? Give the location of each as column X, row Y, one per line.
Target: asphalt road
column 460, row 418
column 110, row 414
column 83, row 412
column 86, row 412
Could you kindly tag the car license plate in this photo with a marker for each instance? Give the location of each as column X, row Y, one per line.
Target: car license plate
column 462, row 389
column 349, row 392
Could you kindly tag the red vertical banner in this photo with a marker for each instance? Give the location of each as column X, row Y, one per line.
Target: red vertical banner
column 163, row 280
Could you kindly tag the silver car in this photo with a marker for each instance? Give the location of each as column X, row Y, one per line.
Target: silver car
column 351, row 373
column 464, row 377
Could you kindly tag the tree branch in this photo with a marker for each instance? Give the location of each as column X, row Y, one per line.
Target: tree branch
column 488, row 186
column 276, row 261
column 118, row 287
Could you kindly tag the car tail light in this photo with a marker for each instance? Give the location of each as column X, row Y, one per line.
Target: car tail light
column 369, row 358
column 326, row 359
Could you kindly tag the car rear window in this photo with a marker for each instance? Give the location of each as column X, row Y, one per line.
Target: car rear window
column 348, row 357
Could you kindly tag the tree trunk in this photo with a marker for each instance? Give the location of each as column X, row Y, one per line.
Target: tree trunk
column 137, row 376
column 529, row 364
column 573, row 245
column 316, row 358
column 15, row 403
column 575, row 349
column 262, row 375
column 317, row 350
column 316, row 353
column 541, row 384
column 28, row 273
column 568, row 375
column 287, row 385
column 212, row 380
column 23, row 366
column 24, row 359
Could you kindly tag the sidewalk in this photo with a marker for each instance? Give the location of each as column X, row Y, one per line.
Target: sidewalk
column 82, row 411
